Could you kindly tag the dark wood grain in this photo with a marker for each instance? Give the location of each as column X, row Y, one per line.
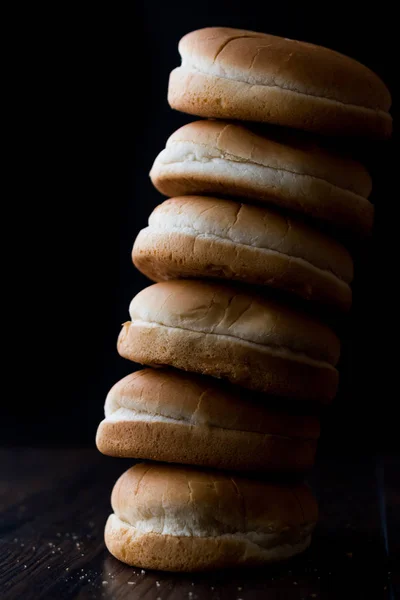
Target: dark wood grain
column 54, row 504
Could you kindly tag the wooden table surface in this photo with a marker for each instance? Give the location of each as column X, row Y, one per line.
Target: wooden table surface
column 54, row 503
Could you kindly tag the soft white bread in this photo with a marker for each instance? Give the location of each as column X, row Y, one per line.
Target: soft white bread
column 177, row 417
column 226, row 332
column 236, row 74
column 173, row 518
column 200, row 237
column 215, row 157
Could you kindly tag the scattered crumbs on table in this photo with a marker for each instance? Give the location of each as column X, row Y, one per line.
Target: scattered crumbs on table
column 294, row 582
column 104, row 582
column 130, row 582
column 158, row 583
column 142, row 571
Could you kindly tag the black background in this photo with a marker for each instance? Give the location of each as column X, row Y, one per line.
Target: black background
column 88, row 114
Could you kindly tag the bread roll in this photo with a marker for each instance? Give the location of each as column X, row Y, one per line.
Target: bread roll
column 199, row 237
column 173, row 518
column 170, row 416
column 237, row 74
column 215, row 157
column 229, row 333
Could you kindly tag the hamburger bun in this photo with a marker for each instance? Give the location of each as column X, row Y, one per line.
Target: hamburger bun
column 215, row 157
column 199, row 237
column 174, row 518
column 229, row 333
column 237, row 74
column 171, row 416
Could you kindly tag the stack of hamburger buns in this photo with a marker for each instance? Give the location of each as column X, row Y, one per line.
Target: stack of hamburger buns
column 246, row 257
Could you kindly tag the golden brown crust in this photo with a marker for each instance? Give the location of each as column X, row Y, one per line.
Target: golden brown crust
column 343, row 78
column 280, row 151
column 229, row 359
column 204, row 401
column 227, row 333
column 195, row 237
column 224, row 310
column 215, row 157
column 237, row 74
column 171, row 416
column 188, row 554
column 205, row 446
column 202, row 496
column 178, row 518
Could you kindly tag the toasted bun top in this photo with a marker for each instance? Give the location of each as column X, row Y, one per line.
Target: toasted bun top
column 284, row 152
column 213, row 308
column 253, row 226
column 198, row 400
column 262, row 59
column 207, row 502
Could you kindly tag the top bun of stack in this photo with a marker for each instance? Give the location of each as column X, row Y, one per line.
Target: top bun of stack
column 237, row 74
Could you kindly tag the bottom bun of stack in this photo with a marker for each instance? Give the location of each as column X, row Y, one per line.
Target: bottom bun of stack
column 175, row 518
